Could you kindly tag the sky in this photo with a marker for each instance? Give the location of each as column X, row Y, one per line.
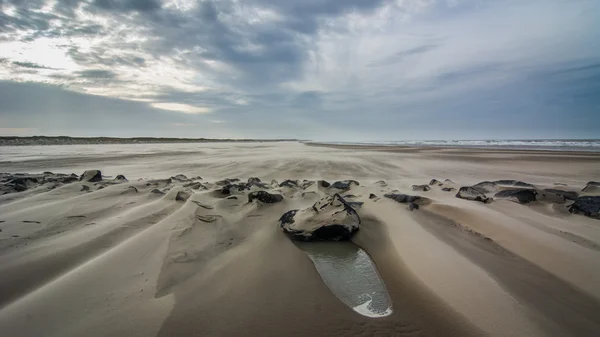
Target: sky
column 333, row 70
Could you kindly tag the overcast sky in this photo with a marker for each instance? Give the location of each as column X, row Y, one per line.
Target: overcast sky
column 353, row 70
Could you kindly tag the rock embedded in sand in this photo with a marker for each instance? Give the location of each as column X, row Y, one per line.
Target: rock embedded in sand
column 472, row 193
column 344, row 184
column 486, row 187
column 121, row 177
column 588, row 206
column 228, row 181
column 180, row 177
column 132, row 188
column 265, row 197
column 324, row 183
column 423, row 188
column 183, row 195
column 513, row 183
column 521, row 195
column 289, row 183
column 372, row 196
column 568, row 195
column 591, row 186
column 435, row 182
column 194, row 185
column 413, row 206
column 91, row 176
column 448, row 189
column 402, row 198
column 157, row 191
column 329, row 219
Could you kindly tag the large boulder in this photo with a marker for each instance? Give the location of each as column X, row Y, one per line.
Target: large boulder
column 329, row 219
column 91, row 176
column 588, row 206
column 472, row 193
column 520, row 195
column 265, row 197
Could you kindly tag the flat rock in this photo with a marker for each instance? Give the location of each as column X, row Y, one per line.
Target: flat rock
column 329, row 219
column 423, row 188
column 472, row 193
column 520, row 195
column 265, row 197
column 402, row 198
column 587, row 205
column 91, row 176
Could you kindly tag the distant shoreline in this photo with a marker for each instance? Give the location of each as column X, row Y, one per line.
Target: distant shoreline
column 65, row 140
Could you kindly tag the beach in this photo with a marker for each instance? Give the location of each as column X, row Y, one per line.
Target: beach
column 178, row 247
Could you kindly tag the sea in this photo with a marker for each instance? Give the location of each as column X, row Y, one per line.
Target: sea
column 590, row 145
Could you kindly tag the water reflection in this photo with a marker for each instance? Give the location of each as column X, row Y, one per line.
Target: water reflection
column 351, row 275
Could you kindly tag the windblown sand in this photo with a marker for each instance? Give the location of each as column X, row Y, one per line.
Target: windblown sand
column 111, row 260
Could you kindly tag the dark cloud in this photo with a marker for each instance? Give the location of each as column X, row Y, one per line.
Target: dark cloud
column 30, row 65
column 97, row 74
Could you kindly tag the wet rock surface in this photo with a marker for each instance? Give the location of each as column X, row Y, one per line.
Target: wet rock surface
column 522, row 196
column 588, row 206
column 331, row 218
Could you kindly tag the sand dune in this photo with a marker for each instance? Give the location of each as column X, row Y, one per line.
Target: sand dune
column 167, row 255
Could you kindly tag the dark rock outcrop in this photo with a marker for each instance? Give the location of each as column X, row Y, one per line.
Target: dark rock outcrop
column 522, row 196
column 402, row 198
column 121, row 177
column 324, row 183
column 372, row 196
column 423, row 188
column 265, row 197
column 472, row 193
column 516, row 183
column 435, row 182
column 329, row 219
column 587, row 205
column 91, row 176
column 289, row 183
column 344, row 184
column 568, row 195
column 486, row 187
column 228, row 181
column 183, row 195
column 413, row 206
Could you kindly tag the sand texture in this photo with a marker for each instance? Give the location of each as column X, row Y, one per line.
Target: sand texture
column 188, row 242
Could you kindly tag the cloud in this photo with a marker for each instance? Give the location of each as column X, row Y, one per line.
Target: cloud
column 183, row 108
column 277, row 67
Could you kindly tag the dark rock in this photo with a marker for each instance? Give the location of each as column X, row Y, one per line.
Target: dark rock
column 324, row 183
column 413, row 206
column 344, row 184
column 228, row 181
column 402, row 198
column 265, row 197
column 194, row 185
column 513, row 183
column 100, row 188
column 329, row 219
column 448, row 189
column 568, row 195
column 180, row 177
column 233, row 197
column 588, row 206
column 48, row 172
column 85, row 188
column 522, row 196
column 253, row 180
column 306, row 184
column 132, row 188
column 289, row 183
column 372, row 196
column 486, row 187
column 423, row 188
column 74, row 175
column 183, row 195
column 448, row 181
column 91, row 176
column 157, row 191
column 121, row 177
column 591, row 186
column 227, row 189
column 472, row 193
column 435, row 182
